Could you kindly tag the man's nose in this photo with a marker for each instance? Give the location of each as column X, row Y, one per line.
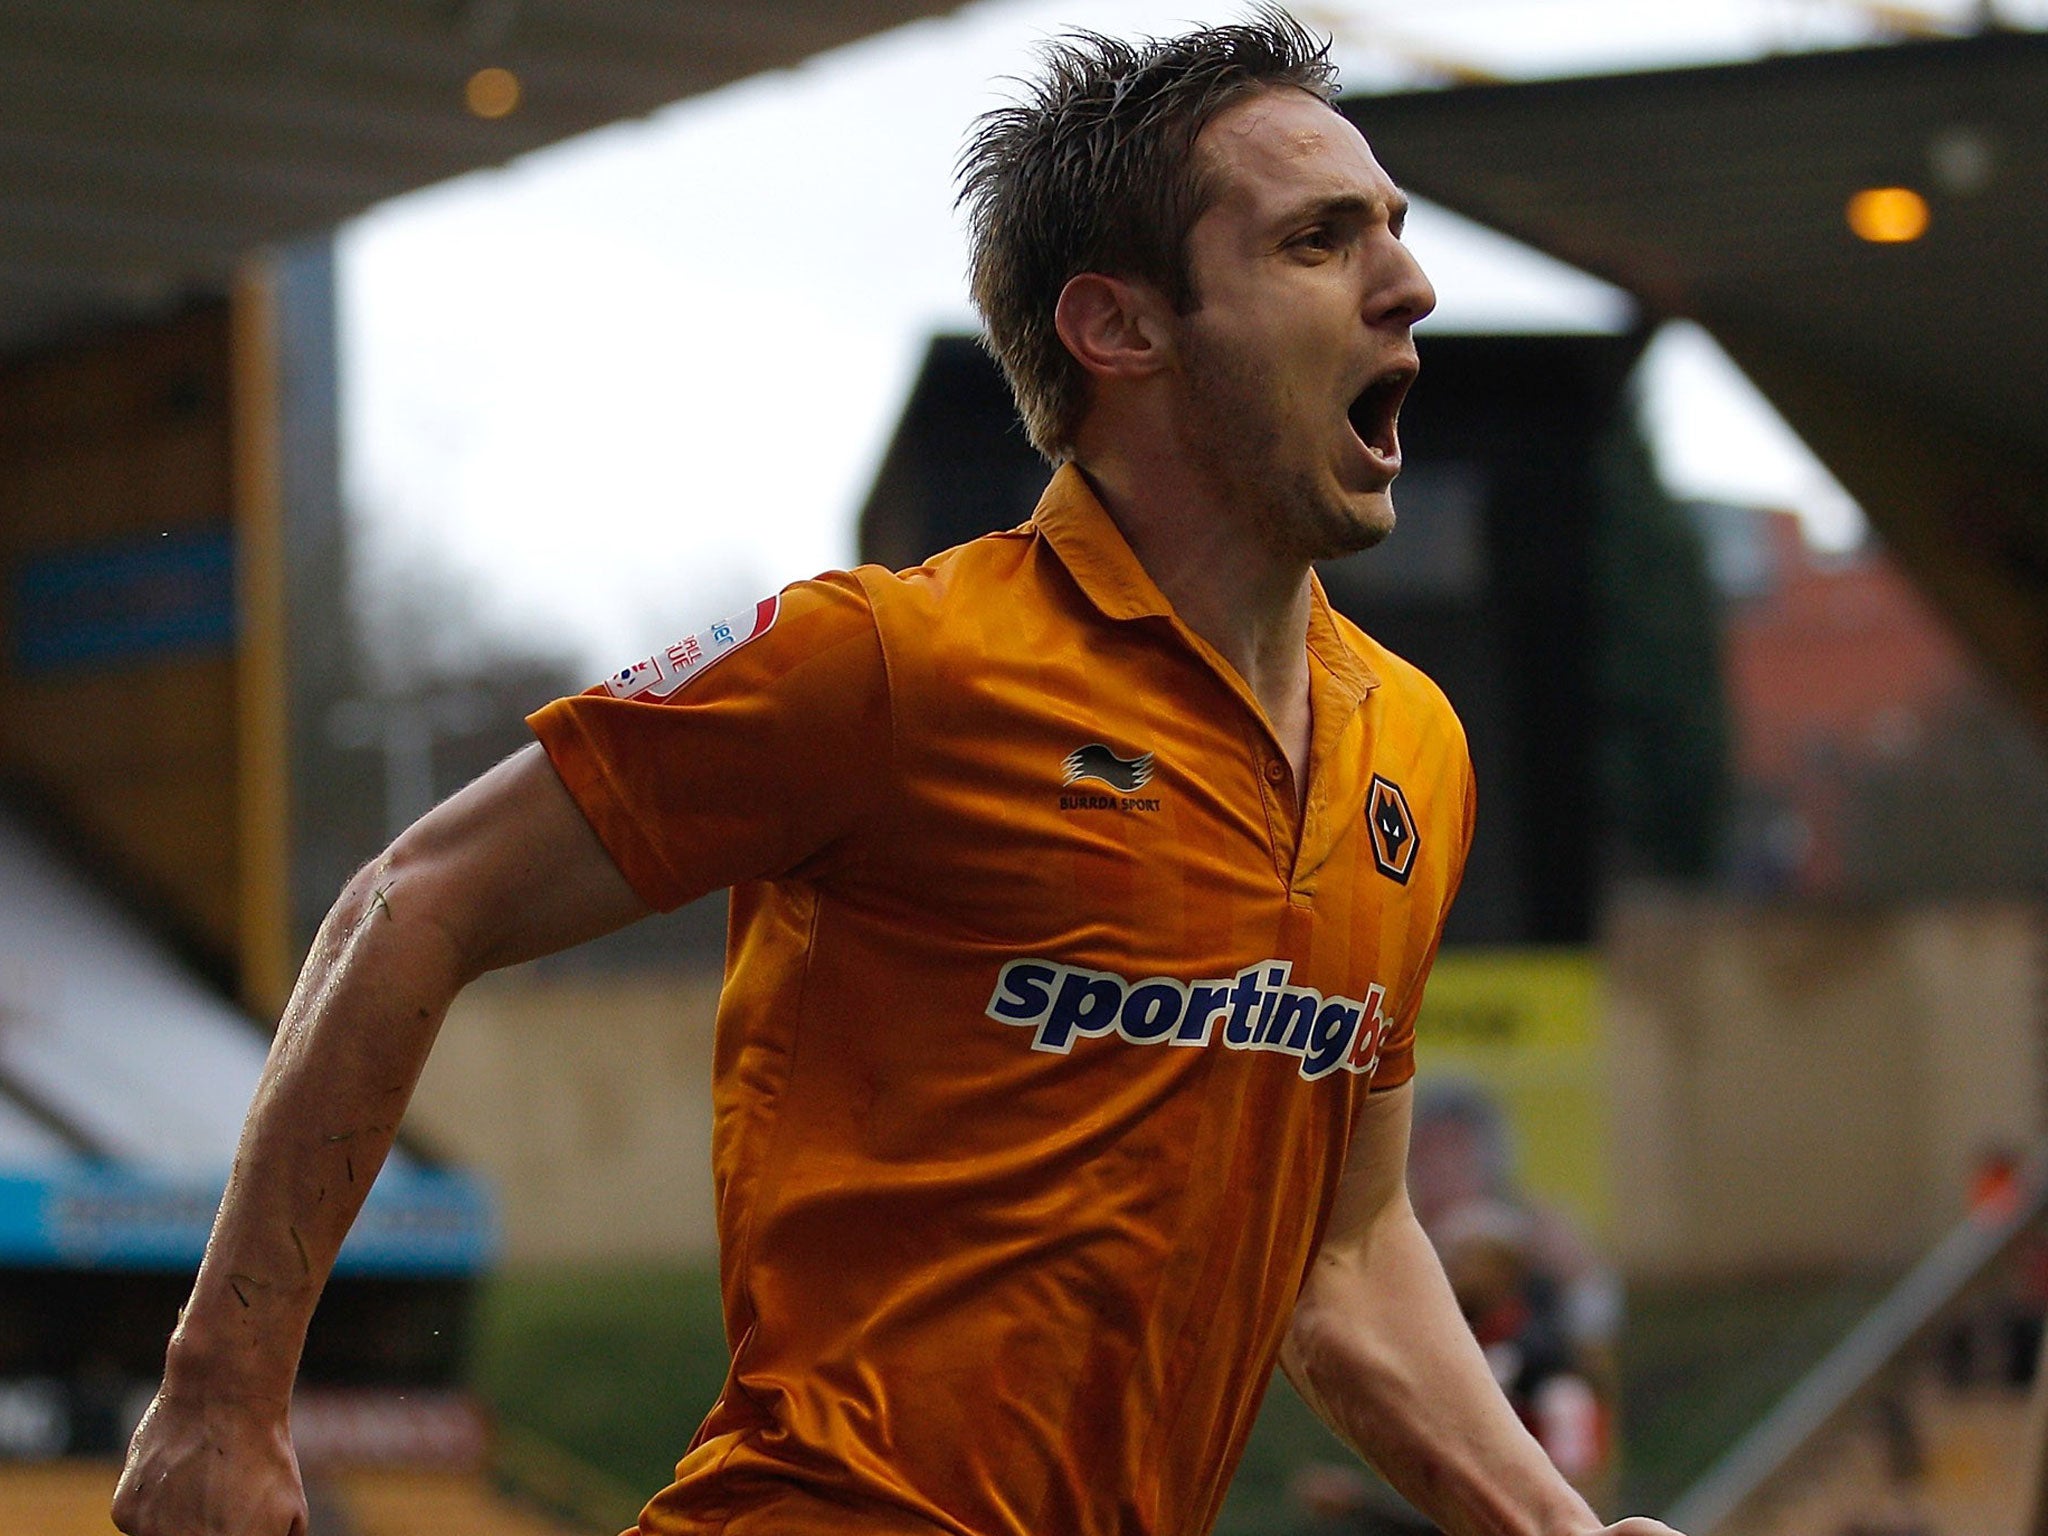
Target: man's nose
column 1404, row 294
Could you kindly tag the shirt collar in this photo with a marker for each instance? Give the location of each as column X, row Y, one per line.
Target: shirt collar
column 1326, row 642
column 1093, row 549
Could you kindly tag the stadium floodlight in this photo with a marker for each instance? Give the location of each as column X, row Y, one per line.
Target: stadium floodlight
column 1888, row 215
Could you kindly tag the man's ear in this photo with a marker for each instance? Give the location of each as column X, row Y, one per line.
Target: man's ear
column 1114, row 328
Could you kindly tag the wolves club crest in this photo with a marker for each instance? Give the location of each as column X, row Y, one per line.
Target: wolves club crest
column 1095, row 761
column 1392, row 828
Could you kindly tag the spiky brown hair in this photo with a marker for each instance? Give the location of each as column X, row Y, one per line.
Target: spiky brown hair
column 1095, row 171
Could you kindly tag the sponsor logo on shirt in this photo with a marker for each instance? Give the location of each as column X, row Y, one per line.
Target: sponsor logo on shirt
column 665, row 671
column 1122, row 774
column 1393, row 829
column 1255, row 1010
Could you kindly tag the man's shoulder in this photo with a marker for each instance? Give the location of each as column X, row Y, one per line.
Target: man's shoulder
column 963, row 575
column 1404, row 682
column 875, row 597
column 986, row 555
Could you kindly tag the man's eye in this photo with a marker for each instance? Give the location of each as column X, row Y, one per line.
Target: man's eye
column 1316, row 240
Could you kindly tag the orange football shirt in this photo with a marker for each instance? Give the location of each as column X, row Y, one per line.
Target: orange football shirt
column 1050, row 1004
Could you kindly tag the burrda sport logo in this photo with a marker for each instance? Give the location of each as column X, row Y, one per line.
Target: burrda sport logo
column 1096, row 761
column 1257, row 1010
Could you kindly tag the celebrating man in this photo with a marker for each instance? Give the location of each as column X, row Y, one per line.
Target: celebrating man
column 1085, row 882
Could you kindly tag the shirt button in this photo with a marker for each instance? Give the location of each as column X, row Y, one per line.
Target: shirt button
column 1275, row 770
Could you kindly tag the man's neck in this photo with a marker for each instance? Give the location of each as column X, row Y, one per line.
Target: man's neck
column 1247, row 601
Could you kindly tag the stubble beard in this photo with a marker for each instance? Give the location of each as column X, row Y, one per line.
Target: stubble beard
column 1233, row 429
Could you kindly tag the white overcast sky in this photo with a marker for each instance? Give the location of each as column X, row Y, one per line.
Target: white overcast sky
column 629, row 383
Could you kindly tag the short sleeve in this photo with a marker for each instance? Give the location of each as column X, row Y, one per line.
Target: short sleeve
column 1397, row 1046
column 751, row 750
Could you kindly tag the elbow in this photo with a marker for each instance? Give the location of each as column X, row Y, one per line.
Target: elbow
column 1324, row 1342
column 1343, row 1338
column 1300, row 1344
column 402, row 896
column 1327, row 1359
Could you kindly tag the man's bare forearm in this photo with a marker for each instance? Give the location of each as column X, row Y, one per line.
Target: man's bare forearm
column 342, row 1068
column 504, row 871
column 1379, row 1350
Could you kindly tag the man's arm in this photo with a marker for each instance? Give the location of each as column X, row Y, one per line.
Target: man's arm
column 1379, row 1349
column 505, row 871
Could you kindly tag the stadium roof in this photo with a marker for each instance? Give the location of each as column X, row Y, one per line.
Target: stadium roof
column 147, row 146
column 1917, row 370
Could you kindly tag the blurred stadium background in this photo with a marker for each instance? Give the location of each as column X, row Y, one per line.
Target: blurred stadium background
column 1736, row 1055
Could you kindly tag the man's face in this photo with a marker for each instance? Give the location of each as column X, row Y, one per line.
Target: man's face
column 1297, row 356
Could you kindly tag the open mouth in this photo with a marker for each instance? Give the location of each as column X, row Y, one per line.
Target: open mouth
column 1375, row 414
